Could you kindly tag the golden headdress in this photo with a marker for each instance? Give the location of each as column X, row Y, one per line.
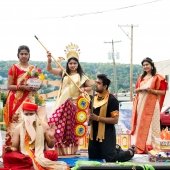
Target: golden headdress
column 72, row 51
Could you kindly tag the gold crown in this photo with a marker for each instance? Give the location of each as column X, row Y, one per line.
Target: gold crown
column 72, row 50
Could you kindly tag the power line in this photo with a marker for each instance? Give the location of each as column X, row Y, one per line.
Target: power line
column 104, row 11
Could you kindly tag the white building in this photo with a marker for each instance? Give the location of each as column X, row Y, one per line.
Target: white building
column 163, row 68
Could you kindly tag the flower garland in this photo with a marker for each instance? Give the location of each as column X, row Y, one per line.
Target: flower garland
column 35, row 72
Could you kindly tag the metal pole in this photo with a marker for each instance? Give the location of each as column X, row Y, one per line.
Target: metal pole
column 131, row 66
column 114, row 67
column 131, row 57
column 114, row 70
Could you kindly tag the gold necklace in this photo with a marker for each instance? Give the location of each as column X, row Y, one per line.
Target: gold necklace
column 147, row 77
column 25, row 68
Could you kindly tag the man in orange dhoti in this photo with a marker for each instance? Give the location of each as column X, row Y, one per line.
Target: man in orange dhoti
column 28, row 144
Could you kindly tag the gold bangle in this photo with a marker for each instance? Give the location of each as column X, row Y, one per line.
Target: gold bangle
column 19, row 87
column 156, row 92
column 98, row 118
column 16, row 87
column 152, row 91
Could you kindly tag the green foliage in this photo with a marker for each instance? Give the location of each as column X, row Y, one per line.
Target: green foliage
column 3, row 96
column 90, row 69
column 1, row 114
column 3, row 126
column 39, row 100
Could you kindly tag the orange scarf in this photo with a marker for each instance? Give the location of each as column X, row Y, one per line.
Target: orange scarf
column 31, row 153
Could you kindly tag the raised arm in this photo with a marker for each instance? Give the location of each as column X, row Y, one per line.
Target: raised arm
column 55, row 71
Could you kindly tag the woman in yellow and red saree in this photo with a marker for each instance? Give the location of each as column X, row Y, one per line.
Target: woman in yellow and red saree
column 19, row 91
column 66, row 105
column 150, row 92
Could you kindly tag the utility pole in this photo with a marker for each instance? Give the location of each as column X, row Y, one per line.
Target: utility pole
column 131, row 65
column 114, row 67
column 131, row 57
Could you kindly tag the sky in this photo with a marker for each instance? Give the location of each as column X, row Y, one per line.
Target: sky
column 89, row 24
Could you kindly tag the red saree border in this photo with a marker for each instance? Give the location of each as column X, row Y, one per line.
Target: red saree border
column 147, row 112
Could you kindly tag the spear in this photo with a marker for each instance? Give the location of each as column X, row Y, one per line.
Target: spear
column 92, row 100
column 59, row 65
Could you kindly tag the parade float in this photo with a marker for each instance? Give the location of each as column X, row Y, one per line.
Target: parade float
column 161, row 148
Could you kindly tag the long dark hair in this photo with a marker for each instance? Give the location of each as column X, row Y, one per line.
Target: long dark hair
column 23, row 47
column 153, row 70
column 79, row 68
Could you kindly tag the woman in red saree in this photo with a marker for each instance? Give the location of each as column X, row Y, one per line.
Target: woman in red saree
column 19, row 91
column 150, row 92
